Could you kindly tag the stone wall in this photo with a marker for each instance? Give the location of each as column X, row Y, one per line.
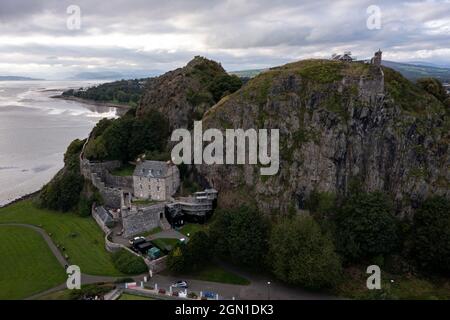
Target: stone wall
column 124, row 183
column 97, row 173
column 157, row 265
column 112, row 246
column 100, row 222
column 137, row 221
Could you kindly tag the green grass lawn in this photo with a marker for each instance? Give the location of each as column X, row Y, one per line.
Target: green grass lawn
column 165, row 243
column 82, row 239
column 215, row 273
column 126, row 296
column 27, row 265
column 124, row 171
column 149, row 233
column 191, row 228
column 144, row 202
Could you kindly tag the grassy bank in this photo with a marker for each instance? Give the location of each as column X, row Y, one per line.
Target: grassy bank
column 80, row 238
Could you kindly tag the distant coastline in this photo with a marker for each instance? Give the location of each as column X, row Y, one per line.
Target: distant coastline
column 94, row 102
column 15, row 78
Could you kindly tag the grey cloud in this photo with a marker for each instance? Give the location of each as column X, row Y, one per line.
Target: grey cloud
column 241, row 34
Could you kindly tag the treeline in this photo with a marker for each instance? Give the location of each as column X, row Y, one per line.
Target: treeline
column 312, row 250
column 127, row 137
column 123, row 91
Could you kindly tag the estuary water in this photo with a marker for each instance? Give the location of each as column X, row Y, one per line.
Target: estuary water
column 35, row 131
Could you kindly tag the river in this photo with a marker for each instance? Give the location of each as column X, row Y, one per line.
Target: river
column 35, row 131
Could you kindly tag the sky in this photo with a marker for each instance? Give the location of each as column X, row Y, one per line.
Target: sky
column 46, row 39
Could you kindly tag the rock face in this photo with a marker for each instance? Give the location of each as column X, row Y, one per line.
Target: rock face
column 182, row 94
column 342, row 126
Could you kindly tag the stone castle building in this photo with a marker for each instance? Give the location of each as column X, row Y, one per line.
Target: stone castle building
column 155, row 180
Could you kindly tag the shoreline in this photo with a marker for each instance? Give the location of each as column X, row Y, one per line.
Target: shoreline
column 24, row 197
column 121, row 109
column 93, row 102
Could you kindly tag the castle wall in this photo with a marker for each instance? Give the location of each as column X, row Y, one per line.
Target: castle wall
column 97, row 173
column 139, row 221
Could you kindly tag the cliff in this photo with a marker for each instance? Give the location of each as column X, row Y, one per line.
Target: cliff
column 342, row 126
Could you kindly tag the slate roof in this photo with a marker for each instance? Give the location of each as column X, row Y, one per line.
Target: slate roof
column 151, row 169
column 104, row 215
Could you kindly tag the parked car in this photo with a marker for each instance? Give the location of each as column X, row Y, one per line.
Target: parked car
column 137, row 240
column 209, row 295
column 180, row 284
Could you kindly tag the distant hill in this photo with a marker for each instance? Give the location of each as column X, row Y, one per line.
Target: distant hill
column 247, row 73
column 15, row 78
column 408, row 70
column 112, row 75
column 415, row 71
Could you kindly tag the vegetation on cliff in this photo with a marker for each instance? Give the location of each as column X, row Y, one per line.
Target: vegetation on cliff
column 185, row 94
column 63, row 192
column 127, row 137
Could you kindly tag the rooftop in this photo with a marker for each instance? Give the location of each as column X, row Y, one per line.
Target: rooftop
column 151, row 169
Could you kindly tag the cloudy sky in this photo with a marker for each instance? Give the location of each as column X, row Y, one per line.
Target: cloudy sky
column 149, row 36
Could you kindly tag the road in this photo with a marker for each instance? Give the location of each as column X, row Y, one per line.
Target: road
column 258, row 289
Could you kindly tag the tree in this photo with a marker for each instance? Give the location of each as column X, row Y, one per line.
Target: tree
column 223, row 85
column 175, row 260
column 197, row 252
column 431, row 235
column 63, row 192
column 300, row 254
column 149, row 133
column 241, row 234
column 366, row 227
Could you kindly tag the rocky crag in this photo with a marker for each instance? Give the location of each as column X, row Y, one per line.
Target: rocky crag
column 183, row 94
column 342, row 126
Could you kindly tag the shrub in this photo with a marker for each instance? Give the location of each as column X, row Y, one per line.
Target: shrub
column 128, row 263
column 431, row 235
column 90, row 291
column 300, row 254
column 366, row 227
